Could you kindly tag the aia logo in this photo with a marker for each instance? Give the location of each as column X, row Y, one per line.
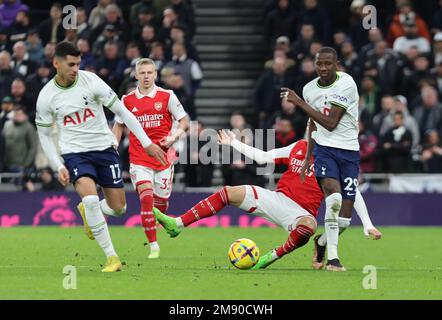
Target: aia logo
column 78, row 117
column 158, row 106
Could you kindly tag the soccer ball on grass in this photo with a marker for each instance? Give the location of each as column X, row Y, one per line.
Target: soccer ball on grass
column 243, row 253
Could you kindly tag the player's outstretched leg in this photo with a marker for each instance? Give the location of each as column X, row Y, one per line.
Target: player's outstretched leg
column 305, row 228
column 148, row 221
column 203, row 209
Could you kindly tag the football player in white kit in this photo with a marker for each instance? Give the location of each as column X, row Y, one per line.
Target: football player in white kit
column 331, row 101
column 74, row 100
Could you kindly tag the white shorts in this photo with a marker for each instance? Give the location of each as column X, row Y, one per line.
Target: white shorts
column 161, row 180
column 273, row 206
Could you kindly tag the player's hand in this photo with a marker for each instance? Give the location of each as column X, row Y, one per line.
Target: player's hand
column 167, row 141
column 291, row 96
column 225, row 137
column 63, row 176
column 305, row 170
column 373, row 233
column 155, row 151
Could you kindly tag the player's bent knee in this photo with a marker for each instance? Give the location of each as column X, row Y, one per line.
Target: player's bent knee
column 309, row 222
column 235, row 194
column 333, row 205
column 119, row 211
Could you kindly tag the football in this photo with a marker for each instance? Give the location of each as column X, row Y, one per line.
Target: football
column 243, row 253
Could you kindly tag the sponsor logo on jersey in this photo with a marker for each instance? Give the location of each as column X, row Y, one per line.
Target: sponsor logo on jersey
column 150, row 120
column 339, row 98
column 158, row 106
column 78, row 117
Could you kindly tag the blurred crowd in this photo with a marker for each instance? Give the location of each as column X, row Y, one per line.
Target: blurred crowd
column 397, row 66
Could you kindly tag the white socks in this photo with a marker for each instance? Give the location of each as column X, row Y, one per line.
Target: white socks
column 154, row 245
column 333, row 205
column 109, row 211
column 179, row 222
column 361, row 210
column 98, row 225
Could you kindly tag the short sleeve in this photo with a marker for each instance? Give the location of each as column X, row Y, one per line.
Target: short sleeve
column 103, row 92
column 44, row 116
column 345, row 95
column 175, row 107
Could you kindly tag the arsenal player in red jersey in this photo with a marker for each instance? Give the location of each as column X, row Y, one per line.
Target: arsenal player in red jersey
column 156, row 109
column 293, row 206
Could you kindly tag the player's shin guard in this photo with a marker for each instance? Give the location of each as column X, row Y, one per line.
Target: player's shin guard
column 98, row 225
column 207, row 207
column 343, row 224
column 297, row 239
column 147, row 218
column 333, row 205
column 161, row 204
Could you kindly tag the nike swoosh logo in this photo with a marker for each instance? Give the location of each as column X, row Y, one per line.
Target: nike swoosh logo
column 118, row 181
column 350, row 194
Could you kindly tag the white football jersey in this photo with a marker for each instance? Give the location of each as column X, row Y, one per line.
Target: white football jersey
column 78, row 113
column 343, row 93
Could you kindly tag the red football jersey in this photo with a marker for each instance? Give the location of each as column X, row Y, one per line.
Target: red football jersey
column 308, row 193
column 155, row 112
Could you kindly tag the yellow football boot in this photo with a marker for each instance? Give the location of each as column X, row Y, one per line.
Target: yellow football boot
column 113, row 264
column 86, row 228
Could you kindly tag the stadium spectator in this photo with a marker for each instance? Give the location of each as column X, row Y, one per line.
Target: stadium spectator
column 144, row 17
column 370, row 95
column 196, row 173
column 70, row 35
column 374, row 35
column 36, row 81
column 127, row 63
column 9, row 10
column 300, row 48
column 110, row 33
column 170, row 19
column 387, row 105
column 314, row 47
column 285, row 133
column 20, row 96
column 21, row 63
column 34, row 46
column 350, row 60
column 7, row 112
column 368, row 143
column 97, row 16
column 429, row 114
column 174, row 81
column 406, row 15
column 51, row 29
column 238, row 172
column 411, row 82
column 107, row 65
column 431, row 155
column 157, row 55
column 283, row 43
column 48, row 181
column 410, row 39
column 18, row 31
column 112, row 17
column 279, row 53
column 400, row 104
column 339, row 37
column 7, row 74
column 4, row 39
column 20, row 142
column 396, row 146
column 307, row 74
column 437, row 46
column 268, row 87
column 178, row 34
column 87, row 58
column 83, row 29
column 147, row 38
column 316, row 15
column 436, row 74
column 280, row 22
column 357, row 32
column 289, row 111
column 49, row 51
column 185, row 16
column 436, row 21
column 142, row 6
column 190, row 71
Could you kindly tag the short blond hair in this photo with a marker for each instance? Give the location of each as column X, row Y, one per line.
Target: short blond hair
column 144, row 61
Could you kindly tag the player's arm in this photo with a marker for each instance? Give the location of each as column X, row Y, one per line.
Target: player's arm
column 44, row 119
column 261, row 157
column 305, row 169
column 361, row 210
column 177, row 111
column 329, row 121
column 118, row 129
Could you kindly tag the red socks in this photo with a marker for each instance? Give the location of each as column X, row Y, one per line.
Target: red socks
column 297, row 239
column 207, row 207
column 147, row 218
column 161, row 203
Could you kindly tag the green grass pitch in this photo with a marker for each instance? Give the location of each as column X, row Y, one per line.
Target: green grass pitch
column 408, row 264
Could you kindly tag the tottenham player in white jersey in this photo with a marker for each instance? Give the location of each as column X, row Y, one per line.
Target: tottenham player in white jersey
column 74, row 100
column 331, row 101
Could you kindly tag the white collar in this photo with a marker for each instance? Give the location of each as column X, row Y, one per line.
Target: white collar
column 150, row 95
